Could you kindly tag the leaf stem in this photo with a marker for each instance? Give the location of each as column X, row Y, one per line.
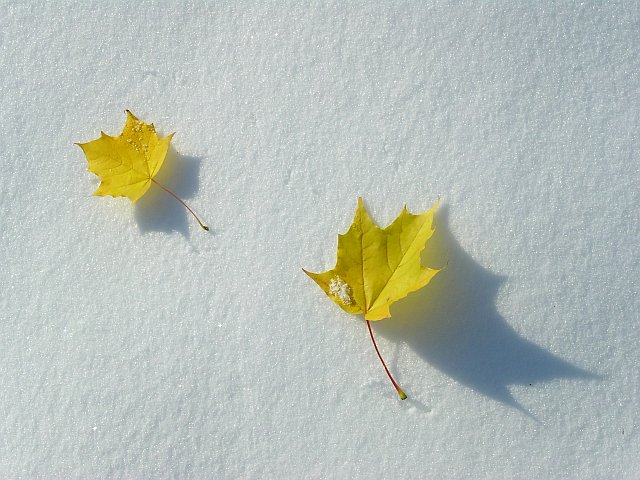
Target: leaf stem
column 202, row 225
column 403, row 396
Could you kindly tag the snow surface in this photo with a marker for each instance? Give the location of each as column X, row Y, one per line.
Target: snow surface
column 134, row 345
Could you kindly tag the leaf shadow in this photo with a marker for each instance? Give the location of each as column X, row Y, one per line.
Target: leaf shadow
column 157, row 211
column 454, row 325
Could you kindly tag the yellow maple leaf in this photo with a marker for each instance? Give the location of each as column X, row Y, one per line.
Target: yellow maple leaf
column 128, row 163
column 376, row 267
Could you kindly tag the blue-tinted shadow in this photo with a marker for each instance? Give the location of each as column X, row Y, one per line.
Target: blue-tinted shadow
column 157, row 211
column 453, row 324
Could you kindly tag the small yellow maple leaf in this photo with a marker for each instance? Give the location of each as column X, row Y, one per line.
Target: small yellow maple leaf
column 128, row 163
column 376, row 267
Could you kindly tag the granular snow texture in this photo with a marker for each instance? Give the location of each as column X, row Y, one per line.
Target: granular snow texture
column 135, row 345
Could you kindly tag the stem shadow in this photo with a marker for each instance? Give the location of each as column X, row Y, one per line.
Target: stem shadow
column 157, row 211
column 453, row 324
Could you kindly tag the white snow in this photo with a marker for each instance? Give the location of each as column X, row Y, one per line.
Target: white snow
column 341, row 289
column 135, row 345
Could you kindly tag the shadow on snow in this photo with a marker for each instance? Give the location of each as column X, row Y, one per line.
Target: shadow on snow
column 160, row 212
column 453, row 324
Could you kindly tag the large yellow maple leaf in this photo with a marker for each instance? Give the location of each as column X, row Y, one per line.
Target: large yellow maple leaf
column 376, row 267
column 128, row 163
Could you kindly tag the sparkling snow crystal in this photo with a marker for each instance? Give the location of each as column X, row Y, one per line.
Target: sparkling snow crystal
column 341, row 289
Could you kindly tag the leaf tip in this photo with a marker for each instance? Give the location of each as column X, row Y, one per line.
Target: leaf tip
column 131, row 116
